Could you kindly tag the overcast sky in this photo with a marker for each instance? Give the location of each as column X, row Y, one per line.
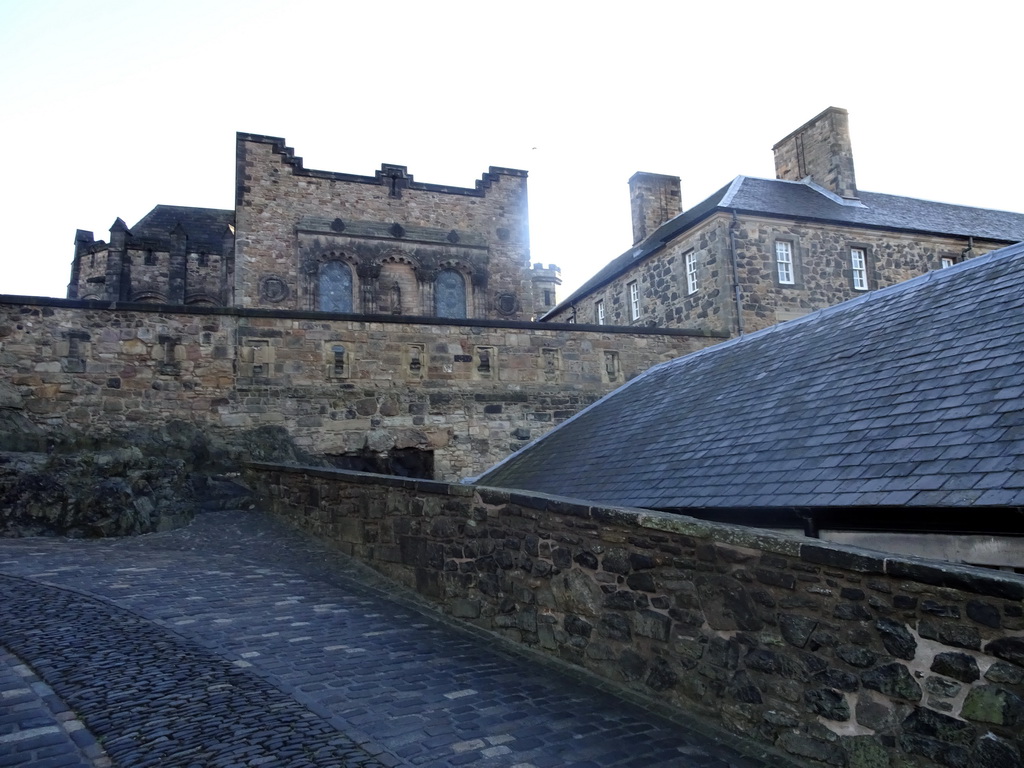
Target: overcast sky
column 110, row 107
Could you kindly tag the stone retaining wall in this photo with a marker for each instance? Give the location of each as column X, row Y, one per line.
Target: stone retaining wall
column 468, row 393
column 840, row 656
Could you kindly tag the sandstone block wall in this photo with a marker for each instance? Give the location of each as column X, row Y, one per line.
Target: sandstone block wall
column 839, row 656
column 467, row 394
column 822, row 273
column 481, row 232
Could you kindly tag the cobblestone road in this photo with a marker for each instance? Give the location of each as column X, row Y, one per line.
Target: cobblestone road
column 238, row 642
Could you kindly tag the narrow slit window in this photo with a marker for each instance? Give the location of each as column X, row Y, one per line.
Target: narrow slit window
column 338, row 361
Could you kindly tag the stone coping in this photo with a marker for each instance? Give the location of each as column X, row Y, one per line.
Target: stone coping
column 932, row 572
column 298, row 314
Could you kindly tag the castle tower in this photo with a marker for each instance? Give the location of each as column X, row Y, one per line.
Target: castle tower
column 545, row 287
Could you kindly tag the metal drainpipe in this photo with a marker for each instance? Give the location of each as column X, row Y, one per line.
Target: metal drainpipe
column 966, row 253
column 735, row 274
column 810, row 525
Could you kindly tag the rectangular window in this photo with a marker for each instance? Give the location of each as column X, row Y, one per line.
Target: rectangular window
column 948, row 261
column 634, row 300
column 859, row 265
column 691, row 272
column 784, row 261
column 600, row 312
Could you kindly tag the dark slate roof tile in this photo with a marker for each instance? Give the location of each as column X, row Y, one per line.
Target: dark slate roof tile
column 960, row 482
column 931, row 498
column 999, row 496
column 962, row 498
column 930, row 401
column 204, row 227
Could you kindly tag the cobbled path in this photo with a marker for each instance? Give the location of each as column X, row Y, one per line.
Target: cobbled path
column 239, row 642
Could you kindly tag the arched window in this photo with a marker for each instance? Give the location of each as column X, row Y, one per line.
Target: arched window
column 335, row 287
column 450, row 294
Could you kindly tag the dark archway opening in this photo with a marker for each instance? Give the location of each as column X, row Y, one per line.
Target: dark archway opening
column 403, row 462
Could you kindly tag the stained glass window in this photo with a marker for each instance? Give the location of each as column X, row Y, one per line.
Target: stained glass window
column 335, row 287
column 450, row 294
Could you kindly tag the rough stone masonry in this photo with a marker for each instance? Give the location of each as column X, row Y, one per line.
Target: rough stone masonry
column 840, row 656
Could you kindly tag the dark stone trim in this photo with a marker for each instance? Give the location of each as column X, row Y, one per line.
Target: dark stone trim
column 838, row 558
column 941, row 575
column 298, row 314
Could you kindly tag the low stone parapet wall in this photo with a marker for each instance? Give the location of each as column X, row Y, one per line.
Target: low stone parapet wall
column 836, row 655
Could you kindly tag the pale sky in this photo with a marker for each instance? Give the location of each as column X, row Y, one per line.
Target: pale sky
column 110, row 107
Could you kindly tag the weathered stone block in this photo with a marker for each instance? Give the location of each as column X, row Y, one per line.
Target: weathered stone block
column 1001, row 672
column 815, row 749
column 830, row 704
column 465, row 609
column 1009, row 649
column 940, row 686
column 959, row 666
column 864, row 752
column 893, row 680
column 994, row 752
column 985, row 614
column 993, row 704
column 856, row 656
column 653, row 625
column 950, row 633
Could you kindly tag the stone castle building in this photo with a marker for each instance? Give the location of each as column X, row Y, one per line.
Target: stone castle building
column 761, row 251
column 302, row 239
column 383, row 323
column 369, row 322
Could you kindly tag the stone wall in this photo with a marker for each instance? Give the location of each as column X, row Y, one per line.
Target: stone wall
column 461, row 395
column 840, row 656
column 481, row 232
column 823, row 275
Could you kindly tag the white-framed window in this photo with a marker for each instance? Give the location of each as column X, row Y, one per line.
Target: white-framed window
column 784, row 261
column 691, row 272
column 634, row 300
column 948, row 261
column 859, row 266
column 599, row 312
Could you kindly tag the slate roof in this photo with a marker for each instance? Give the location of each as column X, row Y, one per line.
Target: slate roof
column 205, row 227
column 806, row 201
column 912, row 395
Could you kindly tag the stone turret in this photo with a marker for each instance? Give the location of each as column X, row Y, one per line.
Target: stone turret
column 83, row 241
column 545, row 287
column 654, row 199
column 118, row 277
column 820, row 150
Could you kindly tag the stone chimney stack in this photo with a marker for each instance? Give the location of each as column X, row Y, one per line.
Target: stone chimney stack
column 819, row 149
column 653, row 199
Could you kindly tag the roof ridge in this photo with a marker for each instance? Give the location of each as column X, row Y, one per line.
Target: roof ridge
column 734, row 187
